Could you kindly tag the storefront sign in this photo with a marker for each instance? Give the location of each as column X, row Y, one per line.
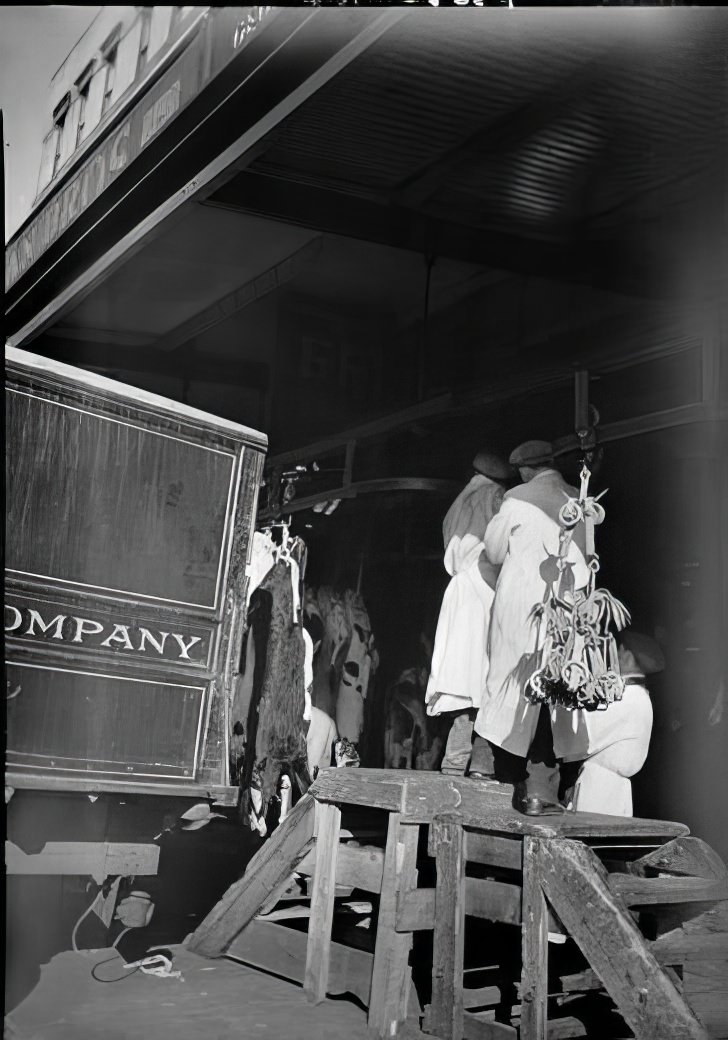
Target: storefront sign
column 157, row 108
column 160, row 112
column 47, row 625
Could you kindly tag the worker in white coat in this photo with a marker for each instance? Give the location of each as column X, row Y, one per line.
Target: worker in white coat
column 613, row 743
column 460, row 655
column 519, row 539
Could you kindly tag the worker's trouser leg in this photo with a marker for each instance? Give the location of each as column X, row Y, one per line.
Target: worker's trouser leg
column 459, row 743
column 482, row 757
column 542, row 769
column 537, row 776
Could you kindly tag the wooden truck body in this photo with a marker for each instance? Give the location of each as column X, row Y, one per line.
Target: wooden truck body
column 129, row 521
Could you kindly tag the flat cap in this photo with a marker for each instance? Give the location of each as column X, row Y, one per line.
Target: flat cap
column 492, row 466
column 532, row 453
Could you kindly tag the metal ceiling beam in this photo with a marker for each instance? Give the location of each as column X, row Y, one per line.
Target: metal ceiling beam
column 242, row 297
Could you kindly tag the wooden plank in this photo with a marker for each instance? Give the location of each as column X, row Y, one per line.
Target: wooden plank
column 415, row 910
column 534, row 946
column 493, row 900
column 358, row 866
column 581, row 981
column 482, row 997
column 446, row 1009
column 637, row 891
column 281, row 950
column 375, row 788
column 486, row 899
column 98, row 859
column 575, row 883
column 483, row 804
column 481, row 1027
column 564, row 1028
column 705, row 986
column 328, row 823
column 268, row 873
column 684, row 856
column 390, row 998
column 678, row 946
column 703, row 935
column 493, row 850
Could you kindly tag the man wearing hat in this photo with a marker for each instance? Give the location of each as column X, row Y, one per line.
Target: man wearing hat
column 613, row 744
column 460, row 657
column 520, row 538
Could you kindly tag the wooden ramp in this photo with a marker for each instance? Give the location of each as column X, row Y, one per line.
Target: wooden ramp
column 641, row 906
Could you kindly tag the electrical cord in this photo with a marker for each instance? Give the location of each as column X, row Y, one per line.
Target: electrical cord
column 108, row 960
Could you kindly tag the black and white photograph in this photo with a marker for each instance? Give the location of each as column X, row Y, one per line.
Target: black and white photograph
column 366, row 520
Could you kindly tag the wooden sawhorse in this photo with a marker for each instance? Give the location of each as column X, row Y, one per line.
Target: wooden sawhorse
column 547, row 861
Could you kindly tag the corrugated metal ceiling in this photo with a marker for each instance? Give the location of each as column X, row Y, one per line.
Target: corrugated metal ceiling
column 521, row 120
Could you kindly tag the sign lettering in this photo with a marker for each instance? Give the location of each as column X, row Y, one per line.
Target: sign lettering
column 162, row 110
column 89, row 632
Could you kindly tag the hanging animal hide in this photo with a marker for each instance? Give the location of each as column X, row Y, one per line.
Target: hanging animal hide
column 276, row 730
column 345, row 665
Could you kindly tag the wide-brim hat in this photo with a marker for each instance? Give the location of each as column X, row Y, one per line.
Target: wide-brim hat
column 492, row 466
column 532, row 453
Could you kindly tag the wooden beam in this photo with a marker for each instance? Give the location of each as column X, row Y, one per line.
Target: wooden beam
column 268, row 872
column 255, row 289
column 534, row 946
column 575, row 884
column 390, row 997
column 318, row 950
column 684, row 856
column 636, row 891
column 99, row 859
column 446, row 1009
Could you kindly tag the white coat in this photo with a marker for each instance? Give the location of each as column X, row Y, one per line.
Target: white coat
column 520, row 537
column 460, row 652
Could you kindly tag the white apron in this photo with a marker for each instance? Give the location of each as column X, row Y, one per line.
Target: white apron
column 460, row 652
column 614, row 743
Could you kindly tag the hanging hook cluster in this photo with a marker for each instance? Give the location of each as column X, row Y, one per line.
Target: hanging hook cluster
column 580, row 666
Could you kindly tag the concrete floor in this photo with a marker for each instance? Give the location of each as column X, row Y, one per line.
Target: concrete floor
column 218, row 1000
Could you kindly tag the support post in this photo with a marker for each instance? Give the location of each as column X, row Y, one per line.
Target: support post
column 446, row 1010
column 391, row 981
column 318, row 950
column 534, row 944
